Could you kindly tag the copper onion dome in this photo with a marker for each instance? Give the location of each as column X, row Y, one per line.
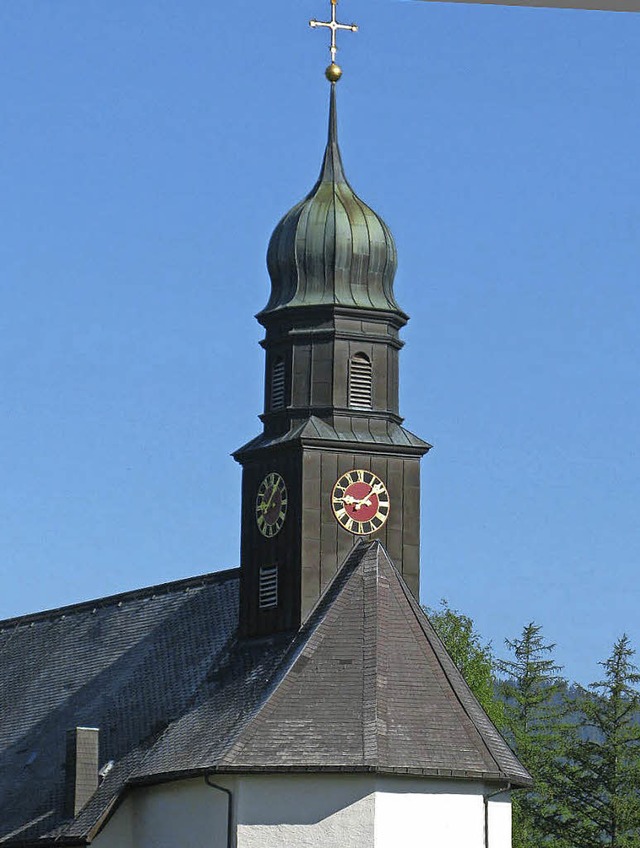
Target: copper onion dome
column 331, row 248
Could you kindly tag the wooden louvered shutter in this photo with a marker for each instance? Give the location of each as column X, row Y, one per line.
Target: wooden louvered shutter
column 360, row 396
column 268, row 591
column 277, row 384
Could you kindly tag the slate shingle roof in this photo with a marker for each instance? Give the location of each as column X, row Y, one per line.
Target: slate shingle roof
column 371, row 687
column 131, row 665
column 365, row 685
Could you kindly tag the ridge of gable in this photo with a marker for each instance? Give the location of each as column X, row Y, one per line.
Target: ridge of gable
column 170, row 587
column 473, row 715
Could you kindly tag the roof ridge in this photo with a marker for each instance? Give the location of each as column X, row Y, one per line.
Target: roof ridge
column 441, row 653
column 302, row 639
column 129, row 595
column 370, row 632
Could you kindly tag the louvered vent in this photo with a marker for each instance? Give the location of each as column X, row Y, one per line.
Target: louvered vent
column 268, row 596
column 360, row 382
column 277, row 384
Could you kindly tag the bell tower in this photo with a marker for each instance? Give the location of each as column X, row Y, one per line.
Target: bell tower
column 333, row 463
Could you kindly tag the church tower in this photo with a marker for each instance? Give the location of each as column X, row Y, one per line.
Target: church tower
column 334, row 463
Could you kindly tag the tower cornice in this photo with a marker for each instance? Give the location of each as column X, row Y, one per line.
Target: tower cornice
column 323, row 334
column 299, row 314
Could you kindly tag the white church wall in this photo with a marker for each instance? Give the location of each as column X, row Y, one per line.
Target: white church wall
column 270, row 811
column 423, row 813
column 181, row 814
column 118, row 832
column 305, row 811
column 500, row 821
column 310, row 811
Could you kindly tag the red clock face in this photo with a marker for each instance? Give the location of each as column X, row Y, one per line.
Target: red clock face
column 360, row 502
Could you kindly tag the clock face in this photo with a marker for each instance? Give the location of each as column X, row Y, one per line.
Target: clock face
column 271, row 505
column 360, row 502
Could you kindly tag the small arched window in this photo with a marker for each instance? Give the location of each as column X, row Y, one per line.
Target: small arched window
column 277, row 384
column 360, row 392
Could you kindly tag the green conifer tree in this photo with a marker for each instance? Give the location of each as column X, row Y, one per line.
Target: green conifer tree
column 600, row 779
column 532, row 691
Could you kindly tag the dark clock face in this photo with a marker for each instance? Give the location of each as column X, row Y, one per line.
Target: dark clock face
column 271, row 505
column 360, row 502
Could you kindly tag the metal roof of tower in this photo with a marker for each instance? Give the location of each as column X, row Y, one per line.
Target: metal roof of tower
column 331, row 248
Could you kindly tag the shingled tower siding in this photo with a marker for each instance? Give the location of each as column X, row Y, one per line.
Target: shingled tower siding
column 332, row 343
column 82, row 765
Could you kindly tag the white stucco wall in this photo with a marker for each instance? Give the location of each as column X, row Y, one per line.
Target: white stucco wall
column 310, row 811
column 500, row 821
column 305, row 811
column 182, row 814
column 118, row 830
column 418, row 813
column 407, row 816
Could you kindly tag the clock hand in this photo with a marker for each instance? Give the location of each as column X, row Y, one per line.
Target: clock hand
column 266, row 506
column 378, row 489
column 366, row 501
column 355, row 502
column 362, row 502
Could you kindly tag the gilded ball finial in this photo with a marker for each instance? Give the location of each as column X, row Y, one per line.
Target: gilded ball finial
column 333, row 72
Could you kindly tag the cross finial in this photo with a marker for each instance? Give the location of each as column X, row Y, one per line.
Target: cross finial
column 333, row 72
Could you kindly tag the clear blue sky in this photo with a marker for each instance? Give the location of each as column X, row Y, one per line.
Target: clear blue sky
column 148, row 149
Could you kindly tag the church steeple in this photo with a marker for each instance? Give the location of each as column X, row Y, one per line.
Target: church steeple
column 331, row 247
column 333, row 461
column 331, row 258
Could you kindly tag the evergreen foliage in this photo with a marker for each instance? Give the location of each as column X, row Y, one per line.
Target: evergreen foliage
column 600, row 780
column 581, row 745
column 531, row 691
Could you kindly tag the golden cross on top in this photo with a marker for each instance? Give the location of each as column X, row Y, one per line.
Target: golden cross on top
column 334, row 26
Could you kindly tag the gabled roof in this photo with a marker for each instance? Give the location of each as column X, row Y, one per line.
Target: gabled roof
column 371, row 687
column 365, row 685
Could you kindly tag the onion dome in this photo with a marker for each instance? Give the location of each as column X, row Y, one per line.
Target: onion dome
column 331, row 248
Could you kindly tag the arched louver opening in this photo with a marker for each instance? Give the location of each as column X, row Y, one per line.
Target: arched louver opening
column 360, row 390
column 277, row 384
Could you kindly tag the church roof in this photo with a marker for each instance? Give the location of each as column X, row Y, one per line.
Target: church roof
column 371, row 687
column 365, row 685
column 331, row 248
